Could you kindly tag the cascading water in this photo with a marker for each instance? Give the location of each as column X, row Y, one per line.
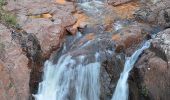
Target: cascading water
column 70, row 80
column 121, row 91
column 76, row 75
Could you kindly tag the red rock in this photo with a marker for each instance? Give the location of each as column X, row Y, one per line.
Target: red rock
column 50, row 38
column 47, row 20
column 128, row 39
column 32, row 17
column 72, row 30
column 14, row 69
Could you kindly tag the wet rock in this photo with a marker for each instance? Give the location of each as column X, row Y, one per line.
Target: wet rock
column 152, row 69
column 112, row 59
column 82, row 21
column 126, row 11
column 129, row 38
column 97, row 13
column 109, row 75
column 14, row 68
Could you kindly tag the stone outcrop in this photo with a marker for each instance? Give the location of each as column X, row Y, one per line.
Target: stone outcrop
column 157, row 12
column 14, row 70
column 23, row 52
column 32, row 49
column 153, row 69
column 47, row 19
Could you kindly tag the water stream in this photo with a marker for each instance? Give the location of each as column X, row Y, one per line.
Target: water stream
column 122, row 91
column 76, row 75
column 70, row 80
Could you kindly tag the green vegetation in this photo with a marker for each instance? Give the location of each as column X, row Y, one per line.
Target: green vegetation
column 2, row 2
column 10, row 85
column 2, row 49
column 144, row 91
column 6, row 17
column 9, row 19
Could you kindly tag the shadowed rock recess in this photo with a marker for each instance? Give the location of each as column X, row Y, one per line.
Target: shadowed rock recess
column 83, row 46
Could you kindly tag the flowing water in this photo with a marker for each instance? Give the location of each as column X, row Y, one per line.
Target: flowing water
column 121, row 91
column 69, row 80
column 72, row 79
column 76, row 73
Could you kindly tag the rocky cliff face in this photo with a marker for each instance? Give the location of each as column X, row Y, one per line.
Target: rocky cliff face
column 24, row 51
column 152, row 69
column 14, row 69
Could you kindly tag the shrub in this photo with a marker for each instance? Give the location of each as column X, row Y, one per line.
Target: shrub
column 7, row 17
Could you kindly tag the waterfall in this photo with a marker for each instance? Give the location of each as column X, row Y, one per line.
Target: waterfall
column 121, row 91
column 70, row 79
column 76, row 76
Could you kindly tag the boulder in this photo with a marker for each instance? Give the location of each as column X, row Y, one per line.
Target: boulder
column 153, row 69
column 157, row 13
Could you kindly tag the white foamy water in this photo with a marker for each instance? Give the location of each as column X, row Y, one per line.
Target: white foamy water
column 122, row 91
column 92, row 6
column 118, row 25
column 70, row 80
